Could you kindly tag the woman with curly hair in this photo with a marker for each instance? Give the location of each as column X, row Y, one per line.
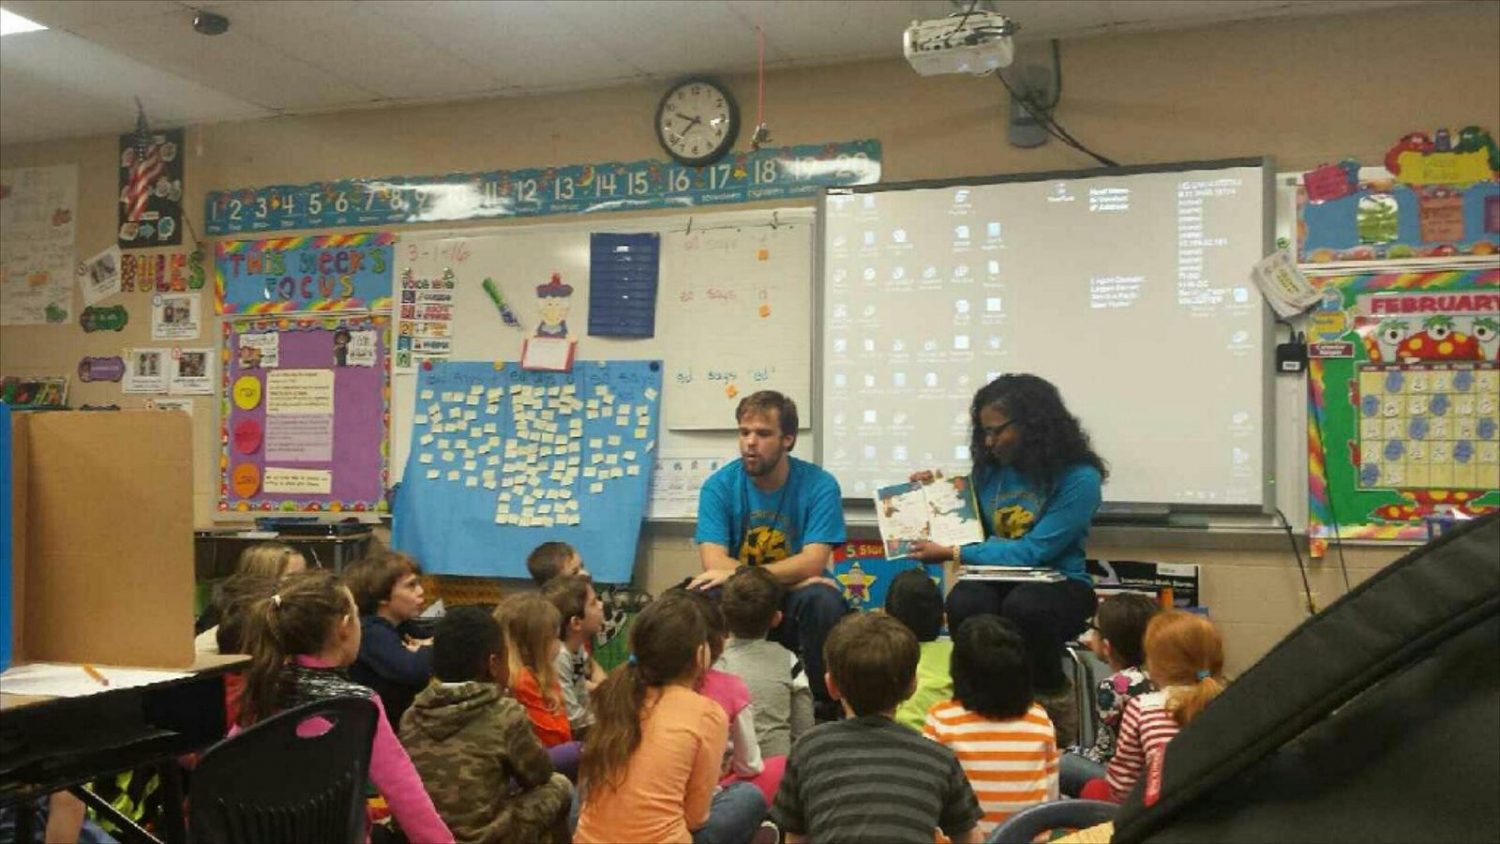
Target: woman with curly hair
column 1038, row 482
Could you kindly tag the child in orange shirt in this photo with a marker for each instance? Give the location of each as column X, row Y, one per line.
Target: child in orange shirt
column 652, row 757
column 531, row 625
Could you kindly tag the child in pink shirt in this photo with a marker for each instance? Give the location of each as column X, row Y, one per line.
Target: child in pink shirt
column 298, row 640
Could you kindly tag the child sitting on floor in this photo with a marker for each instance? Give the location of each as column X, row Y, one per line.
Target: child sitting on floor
column 1185, row 661
column 489, row 777
column 1002, row 736
column 387, row 588
column 914, row 600
column 582, row 618
column 779, row 693
column 868, row 778
column 300, row 639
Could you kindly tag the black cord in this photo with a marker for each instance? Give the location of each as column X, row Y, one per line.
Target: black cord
column 1052, row 126
column 1333, row 515
column 1297, row 552
column 962, row 19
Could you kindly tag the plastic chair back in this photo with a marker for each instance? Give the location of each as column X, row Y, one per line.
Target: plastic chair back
column 1024, row 826
column 272, row 784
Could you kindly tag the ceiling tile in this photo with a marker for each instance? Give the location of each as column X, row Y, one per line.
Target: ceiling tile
column 71, row 14
column 521, row 45
column 663, row 38
column 233, row 63
column 840, row 30
column 354, row 43
column 94, row 91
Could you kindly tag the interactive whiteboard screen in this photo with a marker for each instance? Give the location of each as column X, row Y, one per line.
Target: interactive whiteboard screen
column 1128, row 288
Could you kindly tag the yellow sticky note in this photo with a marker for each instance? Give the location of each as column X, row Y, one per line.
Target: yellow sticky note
column 427, row 439
column 424, row 458
column 596, row 487
column 640, row 433
column 471, row 481
column 614, row 440
column 632, row 469
column 453, row 474
column 432, row 474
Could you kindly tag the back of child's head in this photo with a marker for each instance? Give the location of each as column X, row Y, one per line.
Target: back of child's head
column 750, row 601
column 372, row 579
column 713, row 618
column 463, row 643
column 237, row 595
column 914, row 600
column 299, row 618
column 549, row 560
column 1185, row 651
column 570, row 594
column 1122, row 621
column 990, row 673
column 531, row 624
column 665, row 642
column 873, row 660
column 267, row 559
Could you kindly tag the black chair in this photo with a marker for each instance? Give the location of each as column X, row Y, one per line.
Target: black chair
column 1024, row 826
column 269, row 784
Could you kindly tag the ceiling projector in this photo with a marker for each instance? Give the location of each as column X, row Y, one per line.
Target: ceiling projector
column 977, row 42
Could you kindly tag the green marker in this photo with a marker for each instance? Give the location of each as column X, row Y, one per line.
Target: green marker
column 493, row 291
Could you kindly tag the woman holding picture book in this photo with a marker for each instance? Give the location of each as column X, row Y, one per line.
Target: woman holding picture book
column 1037, row 481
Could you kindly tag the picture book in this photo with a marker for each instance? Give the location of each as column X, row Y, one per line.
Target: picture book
column 942, row 510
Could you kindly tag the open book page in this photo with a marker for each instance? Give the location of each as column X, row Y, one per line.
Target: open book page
column 942, row 511
column 953, row 515
column 901, row 511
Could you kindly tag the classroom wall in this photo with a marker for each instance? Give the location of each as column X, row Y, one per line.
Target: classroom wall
column 1304, row 91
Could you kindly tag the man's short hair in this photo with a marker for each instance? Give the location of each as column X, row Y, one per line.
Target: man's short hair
column 371, row 580
column 570, row 594
column 914, row 600
column 990, row 673
column 766, row 401
column 1122, row 623
column 462, row 645
column 546, row 561
column 750, row 600
column 873, row 660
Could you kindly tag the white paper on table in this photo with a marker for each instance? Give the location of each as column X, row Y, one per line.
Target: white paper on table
column 63, row 680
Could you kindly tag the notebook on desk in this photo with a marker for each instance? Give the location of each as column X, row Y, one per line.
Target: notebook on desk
column 1010, row 574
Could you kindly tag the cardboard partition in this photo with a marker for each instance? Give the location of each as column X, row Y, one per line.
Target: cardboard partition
column 104, row 537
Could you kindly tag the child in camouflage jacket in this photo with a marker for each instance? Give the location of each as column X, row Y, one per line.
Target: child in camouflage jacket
column 488, row 776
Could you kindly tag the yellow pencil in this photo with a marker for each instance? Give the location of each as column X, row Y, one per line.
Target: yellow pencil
column 94, row 673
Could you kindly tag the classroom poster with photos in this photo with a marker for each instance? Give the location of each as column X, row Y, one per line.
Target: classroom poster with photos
column 145, row 371
column 191, row 372
column 99, row 276
column 176, row 316
column 151, row 189
column 305, row 413
column 1404, row 403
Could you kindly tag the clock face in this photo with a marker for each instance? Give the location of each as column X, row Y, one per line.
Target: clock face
column 697, row 122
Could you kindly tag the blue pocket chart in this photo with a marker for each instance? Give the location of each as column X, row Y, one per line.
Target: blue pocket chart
column 504, row 459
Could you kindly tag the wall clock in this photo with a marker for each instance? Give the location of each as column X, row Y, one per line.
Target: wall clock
column 697, row 121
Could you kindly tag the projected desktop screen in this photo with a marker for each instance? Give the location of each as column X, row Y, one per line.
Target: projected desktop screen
column 1129, row 289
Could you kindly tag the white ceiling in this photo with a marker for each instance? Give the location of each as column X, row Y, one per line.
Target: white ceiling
column 81, row 76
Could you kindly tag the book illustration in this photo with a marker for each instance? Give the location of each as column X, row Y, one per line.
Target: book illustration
column 942, row 511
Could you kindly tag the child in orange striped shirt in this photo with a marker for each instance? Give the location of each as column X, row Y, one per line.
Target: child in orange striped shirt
column 1002, row 737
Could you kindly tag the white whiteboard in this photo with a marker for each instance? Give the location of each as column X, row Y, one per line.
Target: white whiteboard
column 718, row 274
column 1130, row 289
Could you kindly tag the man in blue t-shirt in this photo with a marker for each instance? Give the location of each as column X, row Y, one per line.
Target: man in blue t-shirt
column 771, row 509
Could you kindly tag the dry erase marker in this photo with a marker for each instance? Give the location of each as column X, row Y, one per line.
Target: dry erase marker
column 94, row 673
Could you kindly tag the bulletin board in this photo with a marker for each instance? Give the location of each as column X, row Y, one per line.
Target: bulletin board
column 1383, row 219
column 733, row 310
column 503, row 459
column 305, row 413
column 1404, row 402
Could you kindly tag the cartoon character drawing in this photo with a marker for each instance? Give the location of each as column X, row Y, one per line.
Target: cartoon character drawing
column 856, row 585
column 1388, row 336
column 1486, row 333
column 553, row 298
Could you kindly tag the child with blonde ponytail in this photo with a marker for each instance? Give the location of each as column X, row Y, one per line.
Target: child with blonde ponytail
column 1185, row 660
column 651, row 759
column 299, row 640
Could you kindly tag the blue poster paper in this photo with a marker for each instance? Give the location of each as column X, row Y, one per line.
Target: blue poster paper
column 623, row 270
column 771, row 173
column 504, row 459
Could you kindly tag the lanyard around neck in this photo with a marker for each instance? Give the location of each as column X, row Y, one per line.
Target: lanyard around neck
column 745, row 499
